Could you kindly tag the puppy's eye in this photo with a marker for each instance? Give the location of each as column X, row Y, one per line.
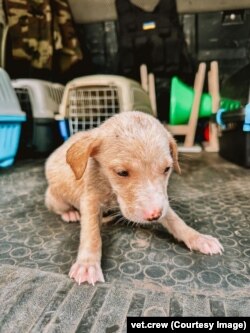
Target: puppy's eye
column 167, row 169
column 123, row 173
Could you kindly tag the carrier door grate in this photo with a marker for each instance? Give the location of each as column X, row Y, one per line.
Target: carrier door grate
column 24, row 101
column 27, row 128
column 91, row 105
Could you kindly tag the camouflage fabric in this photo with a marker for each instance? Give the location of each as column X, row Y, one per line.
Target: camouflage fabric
column 39, row 29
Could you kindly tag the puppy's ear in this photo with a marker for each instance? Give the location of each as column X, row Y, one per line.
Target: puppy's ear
column 174, row 154
column 77, row 155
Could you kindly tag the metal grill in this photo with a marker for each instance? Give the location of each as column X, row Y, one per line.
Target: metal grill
column 55, row 93
column 89, row 106
column 24, row 100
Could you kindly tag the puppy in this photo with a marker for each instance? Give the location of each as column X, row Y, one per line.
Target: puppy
column 126, row 162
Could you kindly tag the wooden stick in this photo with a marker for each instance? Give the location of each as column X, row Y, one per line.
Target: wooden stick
column 151, row 91
column 214, row 90
column 198, row 88
column 144, row 77
column 213, row 85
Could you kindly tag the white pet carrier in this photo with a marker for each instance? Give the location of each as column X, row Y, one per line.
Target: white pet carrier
column 90, row 100
column 40, row 100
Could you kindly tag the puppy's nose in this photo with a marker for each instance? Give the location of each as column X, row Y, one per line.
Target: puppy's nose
column 152, row 215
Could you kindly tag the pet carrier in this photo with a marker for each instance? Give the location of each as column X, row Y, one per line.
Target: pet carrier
column 90, row 100
column 40, row 100
column 11, row 118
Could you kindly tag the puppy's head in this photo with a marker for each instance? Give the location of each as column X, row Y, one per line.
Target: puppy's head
column 137, row 155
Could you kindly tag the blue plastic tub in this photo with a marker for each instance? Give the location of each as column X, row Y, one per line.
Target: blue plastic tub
column 10, row 129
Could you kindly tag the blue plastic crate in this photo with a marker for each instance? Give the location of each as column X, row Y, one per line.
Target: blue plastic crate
column 11, row 117
column 10, row 129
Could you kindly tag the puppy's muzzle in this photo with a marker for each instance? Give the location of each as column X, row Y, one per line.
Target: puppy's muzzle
column 152, row 215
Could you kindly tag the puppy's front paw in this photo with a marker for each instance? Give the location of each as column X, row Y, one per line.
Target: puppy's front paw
column 86, row 273
column 205, row 244
column 71, row 216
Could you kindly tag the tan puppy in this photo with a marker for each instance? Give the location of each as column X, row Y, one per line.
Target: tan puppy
column 125, row 163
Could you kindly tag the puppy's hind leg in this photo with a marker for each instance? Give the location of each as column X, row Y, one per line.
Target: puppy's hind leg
column 60, row 207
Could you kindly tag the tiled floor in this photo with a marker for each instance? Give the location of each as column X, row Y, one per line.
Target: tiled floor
column 146, row 271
